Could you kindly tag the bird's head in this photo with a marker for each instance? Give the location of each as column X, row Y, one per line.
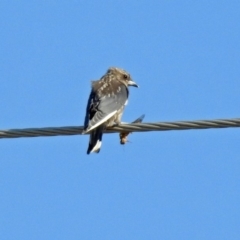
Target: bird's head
column 122, row 76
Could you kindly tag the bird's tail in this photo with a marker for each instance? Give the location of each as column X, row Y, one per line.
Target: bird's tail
column 95, row 140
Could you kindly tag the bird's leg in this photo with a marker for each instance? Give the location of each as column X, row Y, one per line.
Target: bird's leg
column 117, row 120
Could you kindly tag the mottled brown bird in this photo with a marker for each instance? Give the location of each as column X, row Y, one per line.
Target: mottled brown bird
column 106, row 103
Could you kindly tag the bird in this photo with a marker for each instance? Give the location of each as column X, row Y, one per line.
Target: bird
column 106, row 102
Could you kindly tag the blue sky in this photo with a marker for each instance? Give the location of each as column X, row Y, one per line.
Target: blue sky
column 162, row 185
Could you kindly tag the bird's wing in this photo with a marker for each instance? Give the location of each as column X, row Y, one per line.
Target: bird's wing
column 103, row 103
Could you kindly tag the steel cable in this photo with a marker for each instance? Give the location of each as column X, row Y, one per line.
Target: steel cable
column 131, row 127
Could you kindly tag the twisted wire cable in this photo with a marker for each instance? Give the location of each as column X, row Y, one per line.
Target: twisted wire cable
column 132, row 127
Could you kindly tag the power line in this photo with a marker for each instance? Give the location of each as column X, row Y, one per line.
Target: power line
column 132, row 127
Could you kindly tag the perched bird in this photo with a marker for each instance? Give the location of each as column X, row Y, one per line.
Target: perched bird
column 106, row 103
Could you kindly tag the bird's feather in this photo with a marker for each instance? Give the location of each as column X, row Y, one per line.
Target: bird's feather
column 103, row 103
column 95, row 140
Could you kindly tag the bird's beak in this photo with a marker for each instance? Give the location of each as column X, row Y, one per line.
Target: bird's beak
column 132, row 83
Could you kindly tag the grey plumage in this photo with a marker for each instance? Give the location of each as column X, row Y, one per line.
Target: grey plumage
column 105, row 105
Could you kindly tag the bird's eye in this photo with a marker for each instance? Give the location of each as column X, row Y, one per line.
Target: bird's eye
column 125, row 76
